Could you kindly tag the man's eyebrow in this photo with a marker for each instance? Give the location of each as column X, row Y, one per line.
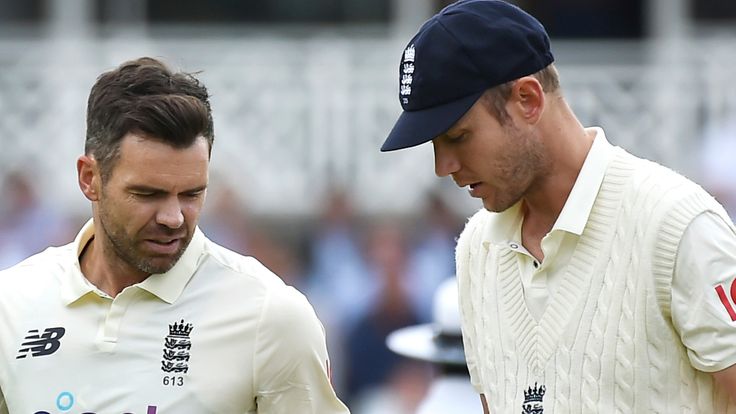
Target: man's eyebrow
column 196, row 189
column 148, row 189
column 143, row 188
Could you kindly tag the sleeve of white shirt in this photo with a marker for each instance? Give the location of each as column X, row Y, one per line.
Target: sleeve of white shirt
column 704, row 293
column 291, row 362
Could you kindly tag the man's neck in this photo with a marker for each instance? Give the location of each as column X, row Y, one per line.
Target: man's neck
column 544, row 203
column 107, row 271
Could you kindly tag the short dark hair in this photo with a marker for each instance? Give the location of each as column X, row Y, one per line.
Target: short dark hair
column 144, row 96
column 495, row 98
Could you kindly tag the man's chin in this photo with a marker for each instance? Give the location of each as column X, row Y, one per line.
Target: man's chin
column 495, row 207
column 488, row 205
column 156, row 262
column 159, row 265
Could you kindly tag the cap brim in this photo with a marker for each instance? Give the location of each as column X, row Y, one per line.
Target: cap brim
column 417, row 127
column 418, row 342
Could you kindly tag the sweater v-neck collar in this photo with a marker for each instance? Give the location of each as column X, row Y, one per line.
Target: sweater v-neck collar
column 537, row 340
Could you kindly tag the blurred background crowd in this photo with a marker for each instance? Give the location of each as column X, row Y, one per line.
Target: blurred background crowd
column 303, row 94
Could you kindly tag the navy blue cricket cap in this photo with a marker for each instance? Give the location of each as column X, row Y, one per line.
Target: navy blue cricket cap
column 457, row 55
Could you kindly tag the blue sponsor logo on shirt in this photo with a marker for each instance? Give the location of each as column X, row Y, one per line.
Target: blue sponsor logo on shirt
column 65, row 402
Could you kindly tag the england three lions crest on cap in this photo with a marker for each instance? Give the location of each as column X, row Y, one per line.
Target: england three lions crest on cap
column 407, row 74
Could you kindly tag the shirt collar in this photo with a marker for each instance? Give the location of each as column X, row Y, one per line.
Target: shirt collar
column 166, row 286
column 575, row 212
column 504, row 224
column 75, row 284
column 579, row 203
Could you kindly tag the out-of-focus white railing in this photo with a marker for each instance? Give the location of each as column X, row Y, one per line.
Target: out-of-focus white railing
column 296, row 115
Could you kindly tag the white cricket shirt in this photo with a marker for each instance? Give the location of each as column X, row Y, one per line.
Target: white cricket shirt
column 218, row 333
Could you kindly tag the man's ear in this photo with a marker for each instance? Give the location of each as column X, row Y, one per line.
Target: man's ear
column 88, row 176
column 528, row 99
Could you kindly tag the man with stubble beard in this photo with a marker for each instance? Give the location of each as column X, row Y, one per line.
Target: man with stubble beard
column 142, row 313
column 591, row 281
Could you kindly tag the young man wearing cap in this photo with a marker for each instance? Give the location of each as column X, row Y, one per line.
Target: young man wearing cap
column 592, row 280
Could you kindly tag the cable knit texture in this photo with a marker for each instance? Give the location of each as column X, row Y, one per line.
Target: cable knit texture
column 605, row 343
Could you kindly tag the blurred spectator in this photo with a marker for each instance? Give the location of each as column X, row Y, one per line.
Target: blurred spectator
column 339, row 282
column 27, row 225
column 717, row 164
column 432, row 259
column 441, row 343
column 339, row 286
column 363, row 293
column 371, row 363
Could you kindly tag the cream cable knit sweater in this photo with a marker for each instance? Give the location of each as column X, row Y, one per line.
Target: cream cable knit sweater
column 605, row 343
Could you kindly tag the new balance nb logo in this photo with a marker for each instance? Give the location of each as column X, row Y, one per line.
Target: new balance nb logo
column 40, row 345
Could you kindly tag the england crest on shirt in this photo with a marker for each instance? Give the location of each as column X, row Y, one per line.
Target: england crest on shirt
column 177, row 345
column 533, row 400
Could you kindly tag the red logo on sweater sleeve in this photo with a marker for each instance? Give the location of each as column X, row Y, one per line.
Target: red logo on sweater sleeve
column 727, row 302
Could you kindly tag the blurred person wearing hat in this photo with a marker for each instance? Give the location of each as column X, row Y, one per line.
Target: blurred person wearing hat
column 592, row 280
column 440, row 343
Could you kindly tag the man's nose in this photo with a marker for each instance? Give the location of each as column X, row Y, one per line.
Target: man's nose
column 170, row 214
column 445, row 162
